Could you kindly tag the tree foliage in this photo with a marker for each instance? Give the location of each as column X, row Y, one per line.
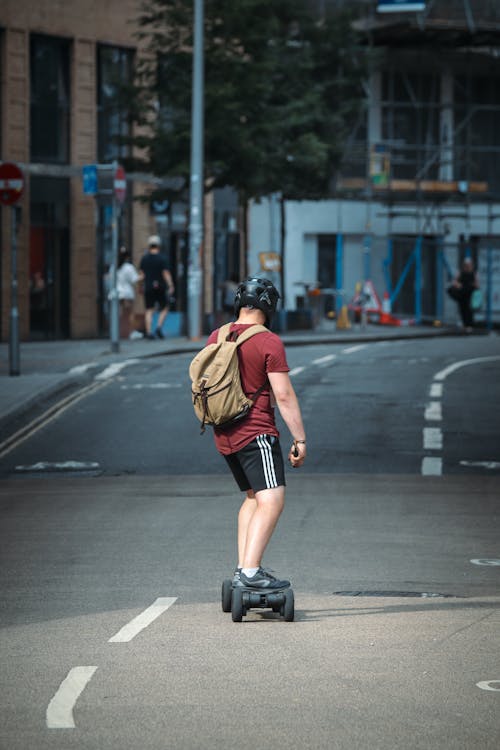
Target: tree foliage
column 281, row 90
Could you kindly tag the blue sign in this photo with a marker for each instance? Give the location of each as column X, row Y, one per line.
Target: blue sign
column 400, row 6
column 90, row 179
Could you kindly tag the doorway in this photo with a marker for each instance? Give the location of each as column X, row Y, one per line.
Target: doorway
column 49, row 261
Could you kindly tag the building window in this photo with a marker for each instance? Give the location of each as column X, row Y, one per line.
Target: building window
column 477, row 127
column 114, row 74
column 410, row 122
column 49, row 100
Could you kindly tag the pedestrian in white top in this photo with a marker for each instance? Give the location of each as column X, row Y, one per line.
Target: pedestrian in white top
column 126, row 279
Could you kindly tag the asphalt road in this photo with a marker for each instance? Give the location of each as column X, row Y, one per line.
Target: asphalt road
column 112, row 635
column 368, row 408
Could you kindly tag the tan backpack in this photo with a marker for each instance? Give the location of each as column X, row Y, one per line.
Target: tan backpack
column 218, row 398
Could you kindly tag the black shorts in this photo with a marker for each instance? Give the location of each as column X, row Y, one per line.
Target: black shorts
column 259, row 465
column 155, row 298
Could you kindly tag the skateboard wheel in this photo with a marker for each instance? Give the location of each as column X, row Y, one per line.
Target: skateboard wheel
column 226, row 595
column 289, row 606
column 237, row 605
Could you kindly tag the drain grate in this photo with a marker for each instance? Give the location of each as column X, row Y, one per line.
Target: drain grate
column 397, row 594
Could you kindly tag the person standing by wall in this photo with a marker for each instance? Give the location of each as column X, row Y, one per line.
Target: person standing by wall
column 158, row 284
column 251, row 445
column 462, row 289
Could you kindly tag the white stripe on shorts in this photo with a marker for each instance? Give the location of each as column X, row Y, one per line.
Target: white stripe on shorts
column 267, row 461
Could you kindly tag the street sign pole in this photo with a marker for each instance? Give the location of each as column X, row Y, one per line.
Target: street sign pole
column 114, row 312
column 196, row 184
column 11, row 189
column 14, row 356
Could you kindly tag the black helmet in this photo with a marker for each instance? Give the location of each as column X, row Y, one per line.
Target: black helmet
column 259, row 293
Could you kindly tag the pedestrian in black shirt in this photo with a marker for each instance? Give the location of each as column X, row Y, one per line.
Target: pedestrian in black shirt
column 461, row 290
column 158, row 286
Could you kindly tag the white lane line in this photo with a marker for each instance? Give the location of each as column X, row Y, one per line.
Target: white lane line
column 44, row 419
column 296, row 371
column 433, row 411
column 488, row 685
column 114, row 368
column 351, row 349
column 143, row 386
column 433, row 438
column 482, row 464
column 436, row 390
column 488, row 562
column 80, row 369
column 464, row 363
column 59, row 714
column 432, row 466
column 142, row 620
column 324, row 360
column 59, row 466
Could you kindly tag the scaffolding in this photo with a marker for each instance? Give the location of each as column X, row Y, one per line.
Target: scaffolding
column 427, row 146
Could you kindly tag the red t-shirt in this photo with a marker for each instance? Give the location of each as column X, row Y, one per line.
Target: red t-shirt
column 257, row 356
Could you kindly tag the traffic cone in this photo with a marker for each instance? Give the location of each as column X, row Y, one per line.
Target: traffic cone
column 385, row 315
column 343, row 321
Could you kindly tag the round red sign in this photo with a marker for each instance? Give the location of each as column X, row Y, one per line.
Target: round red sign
column 120, row 184
column 11, row 183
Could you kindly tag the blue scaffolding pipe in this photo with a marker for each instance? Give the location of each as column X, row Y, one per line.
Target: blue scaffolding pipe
column 339, row 270
column 415, row 258
column 489, row 290
column 440, row 279
column 367, row 257
column 418, row 279
column 386, row 264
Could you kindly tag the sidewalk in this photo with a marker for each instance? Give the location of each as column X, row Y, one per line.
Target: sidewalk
column 49, row 367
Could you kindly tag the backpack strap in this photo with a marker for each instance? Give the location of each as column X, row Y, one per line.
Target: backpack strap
column 223, row 333
column 225, row 330
column 257, row 328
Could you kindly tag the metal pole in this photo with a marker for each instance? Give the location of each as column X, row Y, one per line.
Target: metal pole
column 114, row 312
column 194, row 280
column 14, row 366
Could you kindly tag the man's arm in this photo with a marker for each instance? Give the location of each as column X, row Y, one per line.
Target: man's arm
column 167, row 276
column 287, row 403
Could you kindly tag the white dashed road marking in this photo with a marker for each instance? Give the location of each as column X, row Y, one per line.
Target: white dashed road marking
column 433, row 411
column 482, row 464
column 142, row 620
column 60, row 466
column 490, row 562
column 59, row 714
column 324, row 360
column 80, row 369
column 296, row 371
column 433, row 438
column 493, row 685
column 144, row 386
column 432, row 466
column 464, row 363
column 114, row 368
column 436, row 390
column 352, row 349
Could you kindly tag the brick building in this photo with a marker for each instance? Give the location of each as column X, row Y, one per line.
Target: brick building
column 60, row 62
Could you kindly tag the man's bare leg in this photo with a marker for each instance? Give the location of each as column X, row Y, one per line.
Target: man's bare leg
column 148, row 319
column 248, row 508
column 161, row 317
column 261, row 524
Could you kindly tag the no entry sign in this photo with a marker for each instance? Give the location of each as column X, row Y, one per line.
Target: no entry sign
column 11, row 183
column 120, row 184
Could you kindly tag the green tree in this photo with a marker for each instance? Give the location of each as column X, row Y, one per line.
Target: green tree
column 281, row 89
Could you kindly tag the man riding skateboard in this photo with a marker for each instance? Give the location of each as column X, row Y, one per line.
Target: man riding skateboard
column 251, row 446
